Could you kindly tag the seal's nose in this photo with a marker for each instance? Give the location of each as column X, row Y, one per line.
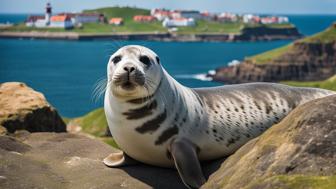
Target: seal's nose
column 129, row 69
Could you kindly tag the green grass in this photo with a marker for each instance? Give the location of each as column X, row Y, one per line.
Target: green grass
column 211, row 27
column 126, row 13
column 269, row 56
column 94, row 123
column 326, row 36
column 329, row 84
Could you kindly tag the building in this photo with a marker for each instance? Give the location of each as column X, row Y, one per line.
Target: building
column 161, row 14
column 86, row 18
column 227, row 17
column 48, row 13
column 144, row 18
column 186, row 14
column 116, row 21
column 177, row 22
column 61, row 21
column 31, row 20
column 251, row 19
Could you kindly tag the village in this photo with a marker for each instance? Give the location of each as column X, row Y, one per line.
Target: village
column 169, row 18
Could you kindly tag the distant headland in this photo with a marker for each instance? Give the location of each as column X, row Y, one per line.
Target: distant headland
column 310, row 59
column 129, row 23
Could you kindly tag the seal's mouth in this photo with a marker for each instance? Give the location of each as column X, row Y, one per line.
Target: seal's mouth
column 128, row 85
column 128, row 82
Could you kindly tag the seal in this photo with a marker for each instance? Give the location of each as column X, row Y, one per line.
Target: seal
column 157, row 121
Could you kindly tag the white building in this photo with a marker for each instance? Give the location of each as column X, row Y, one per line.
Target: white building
column 160, row 14
column 186, row 14
column 61, row 21
column 176, row 22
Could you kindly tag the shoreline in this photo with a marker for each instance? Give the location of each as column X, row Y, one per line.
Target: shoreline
column 248, row 34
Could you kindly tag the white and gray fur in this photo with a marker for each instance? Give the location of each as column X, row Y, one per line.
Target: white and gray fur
column 216, row 120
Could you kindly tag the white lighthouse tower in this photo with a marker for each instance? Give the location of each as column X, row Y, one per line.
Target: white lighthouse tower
column 48, row 14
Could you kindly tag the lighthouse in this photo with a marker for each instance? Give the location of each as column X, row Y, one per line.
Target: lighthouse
column 48, row 14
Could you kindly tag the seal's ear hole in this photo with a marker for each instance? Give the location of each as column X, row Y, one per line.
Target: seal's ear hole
column 157, row 59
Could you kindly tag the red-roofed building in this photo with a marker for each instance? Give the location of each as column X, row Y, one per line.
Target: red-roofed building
column 116, row 21
column 61, row 21
column 144, row 18
column 161, row 14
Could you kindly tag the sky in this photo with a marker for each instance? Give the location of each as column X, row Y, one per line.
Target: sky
column 237, row 6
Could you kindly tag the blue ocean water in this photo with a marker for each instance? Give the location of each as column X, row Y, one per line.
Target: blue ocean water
column 66, row 71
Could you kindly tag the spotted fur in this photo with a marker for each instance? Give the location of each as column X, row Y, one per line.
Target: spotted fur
column 217, row 120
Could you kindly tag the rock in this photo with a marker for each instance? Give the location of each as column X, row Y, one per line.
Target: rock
column 24, row 108
column 63, row 160
column 299, row 152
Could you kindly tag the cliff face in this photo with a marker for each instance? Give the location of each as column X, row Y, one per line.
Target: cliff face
column 266, row 33
column 305, row 61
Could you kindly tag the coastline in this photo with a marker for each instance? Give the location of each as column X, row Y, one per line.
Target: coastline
column 247, row 34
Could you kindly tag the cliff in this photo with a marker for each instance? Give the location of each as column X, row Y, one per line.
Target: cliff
column 309, row 59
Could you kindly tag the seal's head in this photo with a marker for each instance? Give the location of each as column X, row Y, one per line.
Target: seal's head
column 134, row 72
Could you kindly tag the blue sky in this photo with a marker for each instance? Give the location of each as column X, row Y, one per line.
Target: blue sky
column 239, row 6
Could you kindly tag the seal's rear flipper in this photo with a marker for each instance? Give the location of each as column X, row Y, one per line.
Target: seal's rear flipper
column 119, row 159
column 187, row 164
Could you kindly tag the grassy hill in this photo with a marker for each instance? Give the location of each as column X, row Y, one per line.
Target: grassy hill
column 126, row 13
column 325, row 36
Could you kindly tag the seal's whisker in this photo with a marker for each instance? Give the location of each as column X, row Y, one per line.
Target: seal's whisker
column 99, row 89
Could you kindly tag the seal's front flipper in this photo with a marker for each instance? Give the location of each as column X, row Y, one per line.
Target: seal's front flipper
column 187, row 164
column 119, row 159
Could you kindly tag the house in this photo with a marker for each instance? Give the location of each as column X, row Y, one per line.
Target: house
column 86, row 18
column 251, row 19
column 186, row 14
column 61, row 21
column 144, row 18
column 161, row 14
column 31, row 20
column 116, row 21
column 227, row 17
column 176, row 22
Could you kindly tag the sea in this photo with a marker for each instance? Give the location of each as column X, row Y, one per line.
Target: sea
column 66, row 72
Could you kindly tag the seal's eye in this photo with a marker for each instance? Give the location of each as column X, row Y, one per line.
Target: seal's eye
column 144, row 59
column 116, row 59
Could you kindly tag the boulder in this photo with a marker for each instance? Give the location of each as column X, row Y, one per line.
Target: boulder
column 23, row 108
column 64, row 160
column 299, row 152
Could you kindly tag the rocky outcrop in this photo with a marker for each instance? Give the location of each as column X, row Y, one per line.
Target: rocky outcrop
column 267, row 33
column 303, row 62
column 299, row 152
column 23, row 108
column 63, row 160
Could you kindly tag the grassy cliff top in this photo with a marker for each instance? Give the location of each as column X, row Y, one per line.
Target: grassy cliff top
column 325, row 36
column 329, row 84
